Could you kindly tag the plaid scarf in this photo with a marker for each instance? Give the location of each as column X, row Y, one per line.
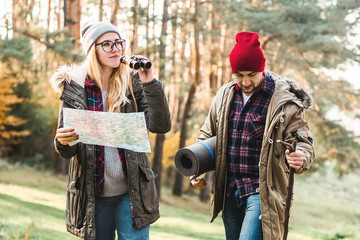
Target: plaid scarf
column 95, row 103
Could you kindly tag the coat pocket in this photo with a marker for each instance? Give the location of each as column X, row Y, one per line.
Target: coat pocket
column 76, row 207
column 148, row 191
column 277, row 206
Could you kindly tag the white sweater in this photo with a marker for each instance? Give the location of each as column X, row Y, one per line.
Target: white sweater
column 115, row 182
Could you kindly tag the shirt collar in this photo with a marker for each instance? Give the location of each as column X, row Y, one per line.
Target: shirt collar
column 267, row 85
column 89, row 82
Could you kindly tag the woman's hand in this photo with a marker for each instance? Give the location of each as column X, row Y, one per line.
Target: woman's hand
column 146, row 75
column 66, row 135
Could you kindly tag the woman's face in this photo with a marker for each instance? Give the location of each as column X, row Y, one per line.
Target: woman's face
column 109, row 49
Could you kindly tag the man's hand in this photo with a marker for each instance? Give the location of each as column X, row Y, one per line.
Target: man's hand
column 199, row 182
column 294, row 159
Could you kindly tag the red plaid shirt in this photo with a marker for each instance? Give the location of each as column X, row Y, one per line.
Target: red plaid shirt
column 246, row 129
column 95, row 103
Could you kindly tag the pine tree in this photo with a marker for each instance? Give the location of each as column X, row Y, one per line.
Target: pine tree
column 10, row 123
column 301, row 39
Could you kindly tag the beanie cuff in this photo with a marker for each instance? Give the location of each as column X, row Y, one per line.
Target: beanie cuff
column 259, row 68
column 91, row 33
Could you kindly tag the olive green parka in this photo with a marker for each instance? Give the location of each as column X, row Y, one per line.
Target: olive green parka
column 285, row 115
column 69, row 81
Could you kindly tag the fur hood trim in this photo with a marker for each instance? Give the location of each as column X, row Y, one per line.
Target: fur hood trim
column 300, row 93
column 66, row 74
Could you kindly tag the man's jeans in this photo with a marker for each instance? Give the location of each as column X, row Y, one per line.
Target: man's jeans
column 114, row 213
column 241, row 218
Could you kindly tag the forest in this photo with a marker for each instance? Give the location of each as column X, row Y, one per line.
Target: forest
column 188, row 42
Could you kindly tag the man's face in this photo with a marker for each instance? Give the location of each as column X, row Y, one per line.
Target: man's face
column 248, row 81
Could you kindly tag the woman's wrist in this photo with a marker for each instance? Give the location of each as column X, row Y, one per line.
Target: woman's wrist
column 150, row 82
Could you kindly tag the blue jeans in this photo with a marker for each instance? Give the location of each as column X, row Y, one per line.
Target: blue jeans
column 241, row 218
column 114, row 213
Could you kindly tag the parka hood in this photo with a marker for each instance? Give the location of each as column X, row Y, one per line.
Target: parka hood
column 68, row 73
column 286, row 85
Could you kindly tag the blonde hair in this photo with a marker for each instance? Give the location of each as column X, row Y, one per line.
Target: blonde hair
column 119, row 82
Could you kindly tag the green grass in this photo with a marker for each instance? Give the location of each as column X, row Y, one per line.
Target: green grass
column 32, row 204
column 326, row 207
column 32, row 207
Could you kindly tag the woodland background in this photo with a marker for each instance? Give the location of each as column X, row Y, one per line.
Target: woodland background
column 189, row 42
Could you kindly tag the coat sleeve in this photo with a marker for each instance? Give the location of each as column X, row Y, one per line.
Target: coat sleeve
column 151, row 99
column 65, row 151
column 209, row 128
column 298, row 126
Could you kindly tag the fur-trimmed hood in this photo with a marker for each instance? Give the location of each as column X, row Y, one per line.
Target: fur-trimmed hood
column 290, row 85
column 68, row 73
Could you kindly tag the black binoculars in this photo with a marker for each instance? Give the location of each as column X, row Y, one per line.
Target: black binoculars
column 135, row 63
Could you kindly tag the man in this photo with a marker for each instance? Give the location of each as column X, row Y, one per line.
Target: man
column 248, row 116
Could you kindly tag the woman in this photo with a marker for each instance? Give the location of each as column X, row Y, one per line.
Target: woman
column 108, row 188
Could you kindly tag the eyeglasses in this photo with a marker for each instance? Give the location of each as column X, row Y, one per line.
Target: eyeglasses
column 108, row 46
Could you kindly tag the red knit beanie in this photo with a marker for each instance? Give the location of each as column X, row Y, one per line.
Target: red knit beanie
column 247, row 54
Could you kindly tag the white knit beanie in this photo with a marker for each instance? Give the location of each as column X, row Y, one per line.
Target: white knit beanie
column 91, row 31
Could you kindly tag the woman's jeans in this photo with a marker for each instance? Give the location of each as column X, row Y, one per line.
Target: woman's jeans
column 241, row 218
column 114, row 213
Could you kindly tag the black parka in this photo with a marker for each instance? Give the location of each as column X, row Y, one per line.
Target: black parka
column 69, row 81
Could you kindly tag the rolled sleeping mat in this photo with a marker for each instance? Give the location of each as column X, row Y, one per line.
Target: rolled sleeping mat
column 197, row 158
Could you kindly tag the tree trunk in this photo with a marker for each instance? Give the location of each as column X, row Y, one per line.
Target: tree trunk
column 115, row 12
column 157, row 160
column 225, row 59
column 173, row 88
column 72, row 15
column 58, row 15
column 48, row 15
column 153, row 27
column 163, row 39
column 101, row 7
column 177, row 189
column 215, row 51
column 134, row 42
column 184, row 75
column 159, row 145
column 179, row 72
column 169, row 176
column 147, row 26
